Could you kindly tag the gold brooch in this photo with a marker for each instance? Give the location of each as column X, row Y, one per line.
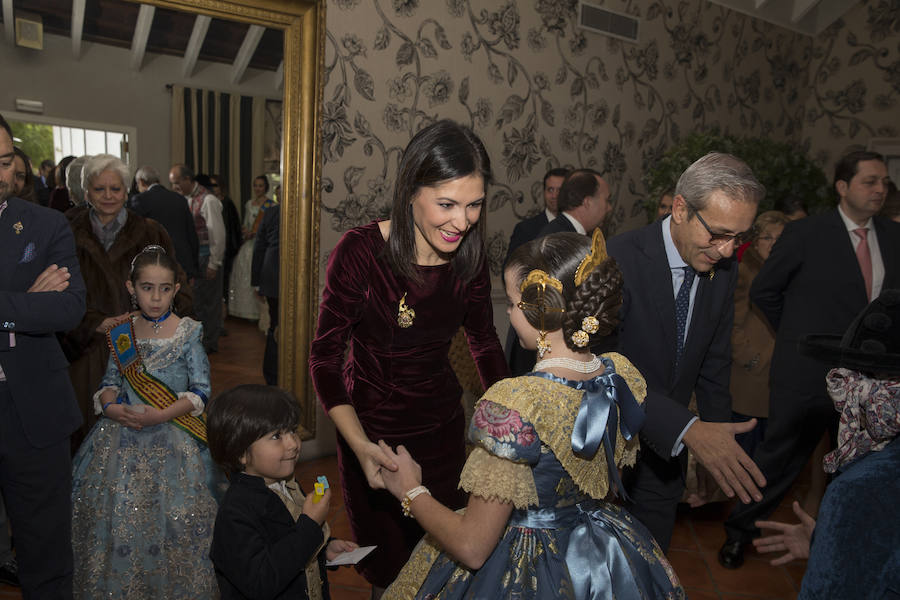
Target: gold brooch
column 711, row 273
column 18, row 227
column 405, row 314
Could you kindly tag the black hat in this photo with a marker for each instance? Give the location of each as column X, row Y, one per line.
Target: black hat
column 870, row 344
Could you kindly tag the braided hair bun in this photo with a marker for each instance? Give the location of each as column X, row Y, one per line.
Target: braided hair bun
column 558, row 255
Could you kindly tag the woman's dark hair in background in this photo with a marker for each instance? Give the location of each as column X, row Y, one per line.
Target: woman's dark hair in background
column 559, row 255
column 152, row 255
column 443, row 151
column 891, row 208
column 27, row 192
column 238, row 417
column 59, row 173
column 791, row 206
column 264, row 179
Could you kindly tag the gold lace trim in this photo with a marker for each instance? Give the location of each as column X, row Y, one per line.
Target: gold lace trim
column 492, row 477
column 416, row 569
column 552, row 408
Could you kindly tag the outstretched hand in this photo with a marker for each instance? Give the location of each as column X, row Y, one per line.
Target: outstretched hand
column 714, row 446
column 792, row 539
column 337, row 547
column 375, row 462
column 408, row 472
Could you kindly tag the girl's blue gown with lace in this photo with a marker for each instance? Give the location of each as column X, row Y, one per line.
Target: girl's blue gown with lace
column 564, row 539
column 144, row 501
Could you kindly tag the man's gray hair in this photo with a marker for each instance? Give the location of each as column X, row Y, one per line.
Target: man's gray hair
column 73, row 180
column 719, row 172
column 147, row 174
column 103, row 162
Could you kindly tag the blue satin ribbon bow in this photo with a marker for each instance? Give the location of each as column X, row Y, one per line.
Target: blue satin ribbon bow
column 605, row 396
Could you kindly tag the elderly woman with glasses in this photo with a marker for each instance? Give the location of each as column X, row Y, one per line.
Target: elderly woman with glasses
column 107, row 237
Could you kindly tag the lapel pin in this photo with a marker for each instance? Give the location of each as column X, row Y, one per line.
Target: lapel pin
column 712, row 273
column 18, row 227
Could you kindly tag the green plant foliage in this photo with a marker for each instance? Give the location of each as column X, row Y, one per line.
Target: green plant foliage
column 783, row 168
column 37, row 141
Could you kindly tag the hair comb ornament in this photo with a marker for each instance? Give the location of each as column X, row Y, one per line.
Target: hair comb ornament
column 541, row 279
column 589, row 325
column 594, row 258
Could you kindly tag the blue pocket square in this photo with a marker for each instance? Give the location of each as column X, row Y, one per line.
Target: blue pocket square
column 28, row 255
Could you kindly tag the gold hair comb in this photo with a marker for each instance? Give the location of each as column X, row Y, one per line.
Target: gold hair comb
column 541, row 278
column 594, row 258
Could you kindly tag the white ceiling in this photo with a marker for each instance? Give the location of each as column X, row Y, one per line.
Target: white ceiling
column 804, row 16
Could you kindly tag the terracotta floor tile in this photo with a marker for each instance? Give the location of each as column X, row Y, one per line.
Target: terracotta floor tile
column 710, row 536
column 347, row 577
column 796, row 570
column 695, row 594
column 691, row 569
column 340, row 592
column 683, row 537
column 754, row 577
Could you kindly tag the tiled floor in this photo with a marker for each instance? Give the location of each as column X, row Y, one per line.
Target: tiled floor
column 697, row 538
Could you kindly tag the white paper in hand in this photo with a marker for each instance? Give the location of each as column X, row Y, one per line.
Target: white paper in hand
column 350, row 558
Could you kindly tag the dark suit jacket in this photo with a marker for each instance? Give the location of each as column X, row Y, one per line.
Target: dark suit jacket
column 170, row 210
column 558, row 225
column 35, row 368
column 812, row 284
column 646, row 335
column 257, row 549
column 526, row 230
column 264, row 271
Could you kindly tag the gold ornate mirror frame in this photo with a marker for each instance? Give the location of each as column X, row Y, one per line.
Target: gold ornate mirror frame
column 303, row 23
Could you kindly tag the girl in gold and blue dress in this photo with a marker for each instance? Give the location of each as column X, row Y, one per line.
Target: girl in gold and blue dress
column 144, row 485
column 540, row 522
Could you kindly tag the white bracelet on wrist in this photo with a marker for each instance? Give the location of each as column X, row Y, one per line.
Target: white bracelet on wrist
column 410, row 496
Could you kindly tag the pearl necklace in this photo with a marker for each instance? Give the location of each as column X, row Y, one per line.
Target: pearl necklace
column 156, row 324
column 579, row 366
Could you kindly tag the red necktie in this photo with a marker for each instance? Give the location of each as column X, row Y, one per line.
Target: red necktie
column 865, row 258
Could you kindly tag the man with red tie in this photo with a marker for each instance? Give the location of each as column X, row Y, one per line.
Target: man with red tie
column 822, row 271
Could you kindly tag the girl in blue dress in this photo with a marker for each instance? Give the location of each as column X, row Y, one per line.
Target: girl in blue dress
column 540, row 522
column 144, row 486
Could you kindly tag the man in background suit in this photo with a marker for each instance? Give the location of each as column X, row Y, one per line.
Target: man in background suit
column 530, row 228
column 41, row 292
column 264, row 275
column 676, row 322
column 822, row 271
column 583, row 204
column 521, row 360
column 169, row 209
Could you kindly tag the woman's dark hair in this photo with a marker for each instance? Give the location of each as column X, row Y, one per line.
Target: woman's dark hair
column 219, row 183
column 265, row 180
column 59, row 173
column 27, row 192
column 443, row 151
column 152, row 255
column 238, row 417
column 559, row 255
column 791, row 205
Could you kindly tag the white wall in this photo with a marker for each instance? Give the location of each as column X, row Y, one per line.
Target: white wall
column 101, row 88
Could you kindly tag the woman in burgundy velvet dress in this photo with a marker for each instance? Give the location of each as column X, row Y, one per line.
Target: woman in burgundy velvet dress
column 398, row 291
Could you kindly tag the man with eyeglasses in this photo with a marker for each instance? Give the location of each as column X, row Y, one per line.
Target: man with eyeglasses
column 676, row 322
column 823, row 270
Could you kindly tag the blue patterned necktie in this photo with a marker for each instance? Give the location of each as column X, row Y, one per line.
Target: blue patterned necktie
column 682, row 302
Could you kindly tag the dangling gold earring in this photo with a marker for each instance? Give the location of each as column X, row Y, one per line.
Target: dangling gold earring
column 543, row 345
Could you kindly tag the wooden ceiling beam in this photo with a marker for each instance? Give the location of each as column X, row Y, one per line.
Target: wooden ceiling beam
column 141, row 35
column 245, row 53
column 77, row 26
column 201, row 26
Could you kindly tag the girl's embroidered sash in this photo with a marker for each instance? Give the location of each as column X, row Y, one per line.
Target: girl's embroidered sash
column 150, row 390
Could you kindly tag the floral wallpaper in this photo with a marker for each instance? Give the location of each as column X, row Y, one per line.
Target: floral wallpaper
column 543, row 93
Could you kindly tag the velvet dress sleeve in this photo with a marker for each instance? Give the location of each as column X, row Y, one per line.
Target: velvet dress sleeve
column 480, row 332
column 343, row 300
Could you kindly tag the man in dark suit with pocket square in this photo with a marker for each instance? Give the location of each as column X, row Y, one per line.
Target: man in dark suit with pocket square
column 41, row 292
column 676, row 321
